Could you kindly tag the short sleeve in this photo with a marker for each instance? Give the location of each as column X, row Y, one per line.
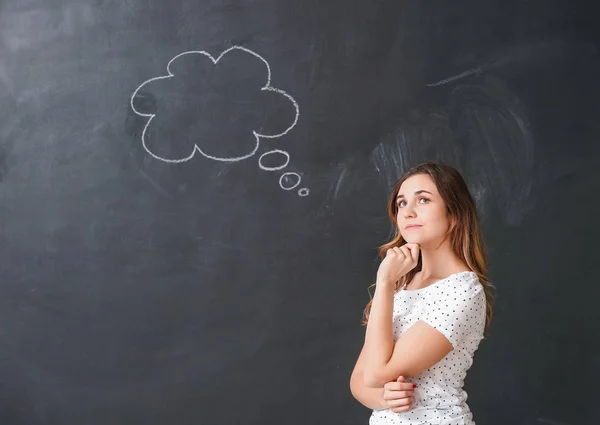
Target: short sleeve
column 457, row 310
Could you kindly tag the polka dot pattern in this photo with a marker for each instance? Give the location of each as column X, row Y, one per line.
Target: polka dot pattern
column 455, row 306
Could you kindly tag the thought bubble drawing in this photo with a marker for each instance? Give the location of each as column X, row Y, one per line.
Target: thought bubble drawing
column 218, row 107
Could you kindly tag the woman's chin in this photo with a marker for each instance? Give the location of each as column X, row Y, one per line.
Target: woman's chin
column 420, row 240
column 412, row 239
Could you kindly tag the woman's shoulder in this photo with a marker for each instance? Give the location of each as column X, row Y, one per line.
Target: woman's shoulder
column 460, row 282
column 458, row 291
column 466, row 277
column 467, row 281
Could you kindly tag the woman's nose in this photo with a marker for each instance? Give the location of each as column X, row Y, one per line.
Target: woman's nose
column 409, row 211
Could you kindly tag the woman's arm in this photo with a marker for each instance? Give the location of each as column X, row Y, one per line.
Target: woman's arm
column 417, row 349
column 438, row 331
column 368, row 397
column 379, row 339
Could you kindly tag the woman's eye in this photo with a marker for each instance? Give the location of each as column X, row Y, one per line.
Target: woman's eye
column 402, row 204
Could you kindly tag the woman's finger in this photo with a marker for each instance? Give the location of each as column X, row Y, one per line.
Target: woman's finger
column 413, row 250
column 414, row 253
column 398, row 395
column 400, row 402
column 399, row 386
column 401, row 409
column 398, row 251
column 406, row 251
column 402, row 394
column 397, row 402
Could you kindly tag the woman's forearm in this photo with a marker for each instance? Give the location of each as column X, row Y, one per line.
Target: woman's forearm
column 368, row 397
column 379, row 339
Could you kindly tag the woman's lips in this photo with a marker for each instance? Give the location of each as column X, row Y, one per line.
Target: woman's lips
column 413, row 226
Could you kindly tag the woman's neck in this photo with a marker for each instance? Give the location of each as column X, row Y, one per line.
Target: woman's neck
column 440, row 262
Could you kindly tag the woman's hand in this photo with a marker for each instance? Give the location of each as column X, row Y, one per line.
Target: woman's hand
column 398, row 261
column 398, row 395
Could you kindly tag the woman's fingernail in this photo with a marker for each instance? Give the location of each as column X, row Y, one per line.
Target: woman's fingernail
column 414, row 385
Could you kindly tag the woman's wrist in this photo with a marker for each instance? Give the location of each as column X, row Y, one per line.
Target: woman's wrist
column 384, row 282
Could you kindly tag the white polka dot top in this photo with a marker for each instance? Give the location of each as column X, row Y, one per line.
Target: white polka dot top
column 456, row 307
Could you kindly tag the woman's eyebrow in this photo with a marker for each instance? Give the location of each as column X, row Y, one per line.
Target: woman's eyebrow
column 416, row 193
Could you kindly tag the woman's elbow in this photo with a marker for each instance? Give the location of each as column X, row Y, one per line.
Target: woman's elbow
column 372, row 379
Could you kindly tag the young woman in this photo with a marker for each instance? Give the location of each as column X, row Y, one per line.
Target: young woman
column 431, row 306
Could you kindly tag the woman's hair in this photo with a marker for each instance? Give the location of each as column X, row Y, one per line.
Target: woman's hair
column 465, row 236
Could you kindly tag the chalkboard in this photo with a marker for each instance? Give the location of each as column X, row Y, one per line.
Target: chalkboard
column 192, row 194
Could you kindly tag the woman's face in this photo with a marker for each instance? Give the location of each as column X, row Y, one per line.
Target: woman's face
column 421, row 216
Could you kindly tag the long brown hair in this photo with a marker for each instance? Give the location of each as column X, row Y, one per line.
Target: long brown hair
column 465, row 235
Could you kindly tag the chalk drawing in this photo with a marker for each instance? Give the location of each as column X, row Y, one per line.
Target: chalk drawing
column 473, row 71
column 457, row 77
column 279, row 167
column 257, row 135
column 287, row 176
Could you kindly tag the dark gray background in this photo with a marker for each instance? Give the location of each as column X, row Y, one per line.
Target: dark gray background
column 139, row 292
